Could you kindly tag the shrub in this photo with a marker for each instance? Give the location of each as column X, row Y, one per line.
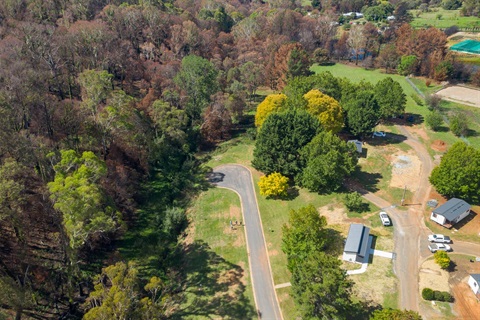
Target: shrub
column 407, row 65
column 433, row 101
column 434, row 120
column 353, row 201
column 428, row 82
column 417, row 99
column 427, row 294
column 459, row 124
column 273, row 185
column 447, row 297
column 442, row 259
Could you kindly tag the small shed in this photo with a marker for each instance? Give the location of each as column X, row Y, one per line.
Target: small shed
column 358, row 145
column 356, row 246
column 474, row 283
column 451, row 212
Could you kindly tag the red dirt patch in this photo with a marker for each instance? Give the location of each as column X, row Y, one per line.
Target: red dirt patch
column 465, row 305
column 439, row 145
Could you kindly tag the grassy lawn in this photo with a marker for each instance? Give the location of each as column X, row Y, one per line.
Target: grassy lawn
column 448, row 18
column 217, row 262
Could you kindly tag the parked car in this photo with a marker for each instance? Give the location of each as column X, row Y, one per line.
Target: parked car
column 434, row 247
column 379, row 134
column 440, row 238
column 385, row 219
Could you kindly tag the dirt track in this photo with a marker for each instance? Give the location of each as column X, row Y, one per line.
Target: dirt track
column 463, row 95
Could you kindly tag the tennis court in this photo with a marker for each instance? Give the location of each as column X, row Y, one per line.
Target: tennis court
column 467, row 46
column 463, row 95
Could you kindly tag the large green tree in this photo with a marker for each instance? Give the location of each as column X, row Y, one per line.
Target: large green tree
column 458, row 174
column 280, row 139
column 326, row 109
column 78, row 195
column 390, row 97
column 198, row 77
column 321, row 288
column 329, row 160
column 304, row 234
column 362, row 112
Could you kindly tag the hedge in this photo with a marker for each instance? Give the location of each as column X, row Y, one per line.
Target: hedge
column 429, row 294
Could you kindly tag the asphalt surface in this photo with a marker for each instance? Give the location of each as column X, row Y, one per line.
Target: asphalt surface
column 239, row 179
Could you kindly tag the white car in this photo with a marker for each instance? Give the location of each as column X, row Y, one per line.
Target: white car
column 440, row 238
column 434, row 247
column 379, row 134
column 385, row 219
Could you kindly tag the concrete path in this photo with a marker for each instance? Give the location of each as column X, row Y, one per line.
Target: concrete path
column 283, row 285
column 380, row 253
column 358, row 271
column 239, row 179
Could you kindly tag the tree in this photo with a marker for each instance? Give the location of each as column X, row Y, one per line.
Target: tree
column 388, row 57
column 458, row 174
column 434, row 120
column 280, row 139
column 273, row 185
column 354, row 202
column 96, row 86
column 304, row 235
column 12, row 191
column 326, row 109
column 252, row 76
column 217, row 122
column 433, row 101
column 362, row 112
column 442, row 259
column 271, row 104
column 198, row 77
column 395, row 314
column 321, row 288
column 407, row 65
column 459, row 124
column 356, row 40
column 298, row 63
column 443, row 71
column 328, row 161
column 78, row 195
column 390, row 97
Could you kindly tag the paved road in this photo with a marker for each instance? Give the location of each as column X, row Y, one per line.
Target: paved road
column 239, row 179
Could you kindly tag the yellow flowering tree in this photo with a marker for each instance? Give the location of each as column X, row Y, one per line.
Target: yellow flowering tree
column 326, row 109
column 273, row 185
column 272, row 103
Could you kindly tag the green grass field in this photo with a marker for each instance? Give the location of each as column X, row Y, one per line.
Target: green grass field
column 448, row 18
column 217, row 261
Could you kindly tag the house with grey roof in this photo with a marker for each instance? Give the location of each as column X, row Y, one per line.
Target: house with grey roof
column 356, row 246
column 474, row 283
column 451, row 212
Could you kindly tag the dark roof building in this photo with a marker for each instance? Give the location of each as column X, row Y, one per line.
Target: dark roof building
column 356, row 246
column 452, row 209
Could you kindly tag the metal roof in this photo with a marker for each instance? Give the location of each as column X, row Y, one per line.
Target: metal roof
column 357, row 239
column 476, row 276
column 452, row 208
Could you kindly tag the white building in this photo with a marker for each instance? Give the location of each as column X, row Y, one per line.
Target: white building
column 474, row 283
column 451, row 212
column 356, row 247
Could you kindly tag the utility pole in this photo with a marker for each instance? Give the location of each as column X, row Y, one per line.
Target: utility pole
column 403, row 197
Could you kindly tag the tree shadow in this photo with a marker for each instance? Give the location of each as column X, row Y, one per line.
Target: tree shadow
column 390, row 138
column 362, row 180
column 412, row 119
column 214, row 287
column 336, row 241
column 442, row 129
column 292, row 193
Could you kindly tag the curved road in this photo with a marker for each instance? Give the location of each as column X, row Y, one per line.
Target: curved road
column 239, row 179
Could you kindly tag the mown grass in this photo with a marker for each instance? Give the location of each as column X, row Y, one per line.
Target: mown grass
column 216, row 262
column 448, row 18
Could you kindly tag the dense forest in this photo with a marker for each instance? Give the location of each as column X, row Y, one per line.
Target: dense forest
column 104, row 106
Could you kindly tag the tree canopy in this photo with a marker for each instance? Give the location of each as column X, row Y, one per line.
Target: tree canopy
column 272, row 103
column 328, row 161
column 458, row 174
column 390, row 97
column 326, row 109
column 362, row 113
column 280, row 139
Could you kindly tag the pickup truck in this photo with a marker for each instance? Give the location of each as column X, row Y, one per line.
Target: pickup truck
column 439, row 247
column 439, row 238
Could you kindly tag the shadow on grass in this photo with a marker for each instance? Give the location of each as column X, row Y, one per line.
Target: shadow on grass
column 413, row 119
column 366, row 180
column 391, row 138
column 214, row 286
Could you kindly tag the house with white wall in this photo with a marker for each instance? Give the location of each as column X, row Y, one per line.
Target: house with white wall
column 474, row 283
column 356, row 246
column 451, row 212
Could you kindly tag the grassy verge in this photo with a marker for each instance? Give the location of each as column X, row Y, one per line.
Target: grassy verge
column 448, row 18
column 287, row 304
column 216, row 262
